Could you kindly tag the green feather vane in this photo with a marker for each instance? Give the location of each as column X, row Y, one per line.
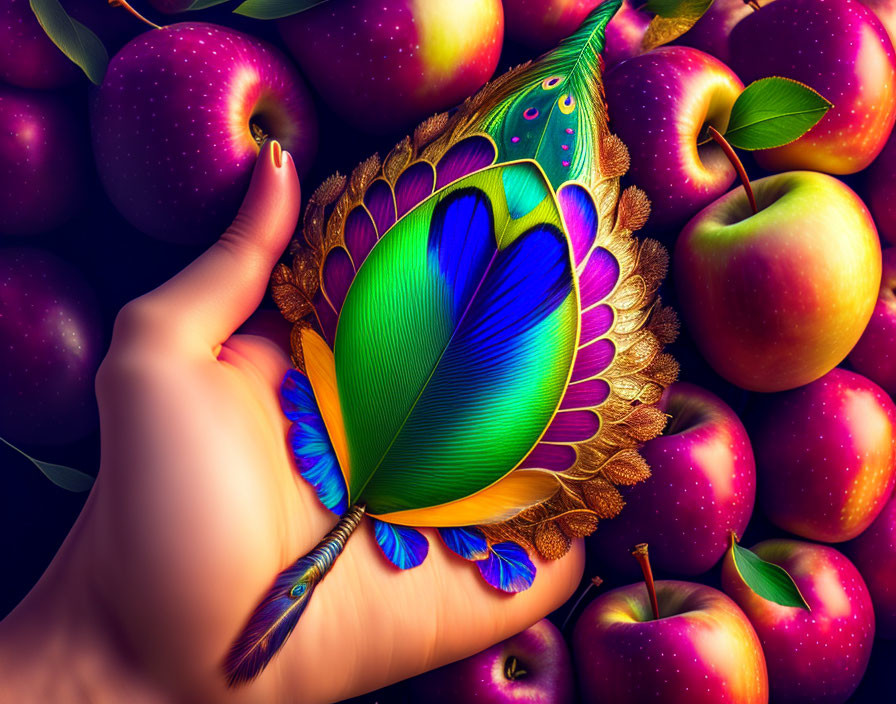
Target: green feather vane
column 476, row 335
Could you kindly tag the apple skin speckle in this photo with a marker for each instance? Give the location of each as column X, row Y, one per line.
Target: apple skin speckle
column 172, row 126
column 816, row 656
column 839, row 48
column 384, row 66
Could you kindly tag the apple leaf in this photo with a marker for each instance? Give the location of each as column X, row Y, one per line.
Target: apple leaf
column 274, row 9
column 75, row 40
column 63, row 477
column 672, row 18
column 766, row 579
column 772, row 112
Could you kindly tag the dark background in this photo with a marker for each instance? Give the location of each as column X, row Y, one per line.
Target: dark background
column 121, row 263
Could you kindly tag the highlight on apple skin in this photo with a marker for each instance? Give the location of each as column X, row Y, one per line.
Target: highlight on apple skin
column 839, row 48
column 659, row 104
column 542, row 24
column 828, row 483
column 701, row 649
column 39, row 140
column 777, row 299
column 384, row 66
column 812, row 656
column 178, row 121
column 702, row 486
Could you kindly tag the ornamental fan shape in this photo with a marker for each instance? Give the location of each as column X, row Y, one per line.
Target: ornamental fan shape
column 476, row 335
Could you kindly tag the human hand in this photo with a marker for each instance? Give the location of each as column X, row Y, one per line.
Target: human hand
column 197, row 507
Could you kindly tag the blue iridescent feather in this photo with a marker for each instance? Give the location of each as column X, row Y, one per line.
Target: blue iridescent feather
column 507, row 568
column 314, row 456
column 404, row 547
column 469, row 543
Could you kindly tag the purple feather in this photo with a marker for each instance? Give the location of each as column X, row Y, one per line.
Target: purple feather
column 380, row 201
column 593, row 359
column 580, row 217
column 573, row 426
column 585, row 394
column 360, row 235
column 468, row 543
column 598, row 278
column 553, row 457
column 415, row 183
column 596, row 322
column 464, row 158
column 507, row 568
column 337, row 276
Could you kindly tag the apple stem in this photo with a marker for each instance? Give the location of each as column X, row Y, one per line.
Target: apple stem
column 735, row 162
column 126, row 6
column 640, row 553
column 595, row 582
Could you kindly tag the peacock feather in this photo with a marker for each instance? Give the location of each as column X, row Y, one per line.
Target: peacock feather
column 476, row 335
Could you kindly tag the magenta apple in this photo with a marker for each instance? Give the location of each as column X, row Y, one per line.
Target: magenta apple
column 531, row 667
column 52, row 344
column 839, row 48
column 767, row 306
column 624, row 34
column 383, row 66
column 702, row 486
column 818, row 655
column 700, row 650
column 541, row 24
column 874, row 554
column 178, row 122
column 826, row 456
column 43, row 162
column 885, row 10
column 660, row 104
column 711, row 32
column 874, row 355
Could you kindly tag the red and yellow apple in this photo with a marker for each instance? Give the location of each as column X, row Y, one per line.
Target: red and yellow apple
column 777, row 299
column 874, row 355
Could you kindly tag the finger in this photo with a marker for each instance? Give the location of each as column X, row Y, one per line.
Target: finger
column 215, row 294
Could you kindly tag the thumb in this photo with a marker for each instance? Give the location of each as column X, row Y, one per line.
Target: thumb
column 215, row 294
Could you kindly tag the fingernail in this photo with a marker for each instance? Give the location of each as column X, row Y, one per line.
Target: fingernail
column 277, row 153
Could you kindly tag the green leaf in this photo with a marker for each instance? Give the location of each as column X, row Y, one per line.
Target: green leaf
column 77, row 42
column 202, row 4
column 63, row 477
column 766, row 579
column 772, row 112
column 672, row 19
column 274, row 9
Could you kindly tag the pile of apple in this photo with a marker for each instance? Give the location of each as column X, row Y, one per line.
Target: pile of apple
column 788, row 307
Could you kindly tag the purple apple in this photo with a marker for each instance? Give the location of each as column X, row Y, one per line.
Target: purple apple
column 881, row 185
column 701, row 649
column 383, row 66
column 874, row 355
column 660, row 104
column 624, row 34
column 28, row 58
column 178, row 122
column 826, row 456
column 541, row 24
column 52, row 344
column 43, row 162
column 818, row 655
column 874, row 554
column 711, row 32
column 839, row 48
column 768, row 307
column 532, row 667
column 702, row 486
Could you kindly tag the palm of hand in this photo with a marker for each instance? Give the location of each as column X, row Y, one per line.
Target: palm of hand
column 197, row 506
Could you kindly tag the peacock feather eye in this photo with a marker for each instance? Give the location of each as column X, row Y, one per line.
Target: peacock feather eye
column 298, row 590
column 566, row 103
column 551, row 83
column 530, row 113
